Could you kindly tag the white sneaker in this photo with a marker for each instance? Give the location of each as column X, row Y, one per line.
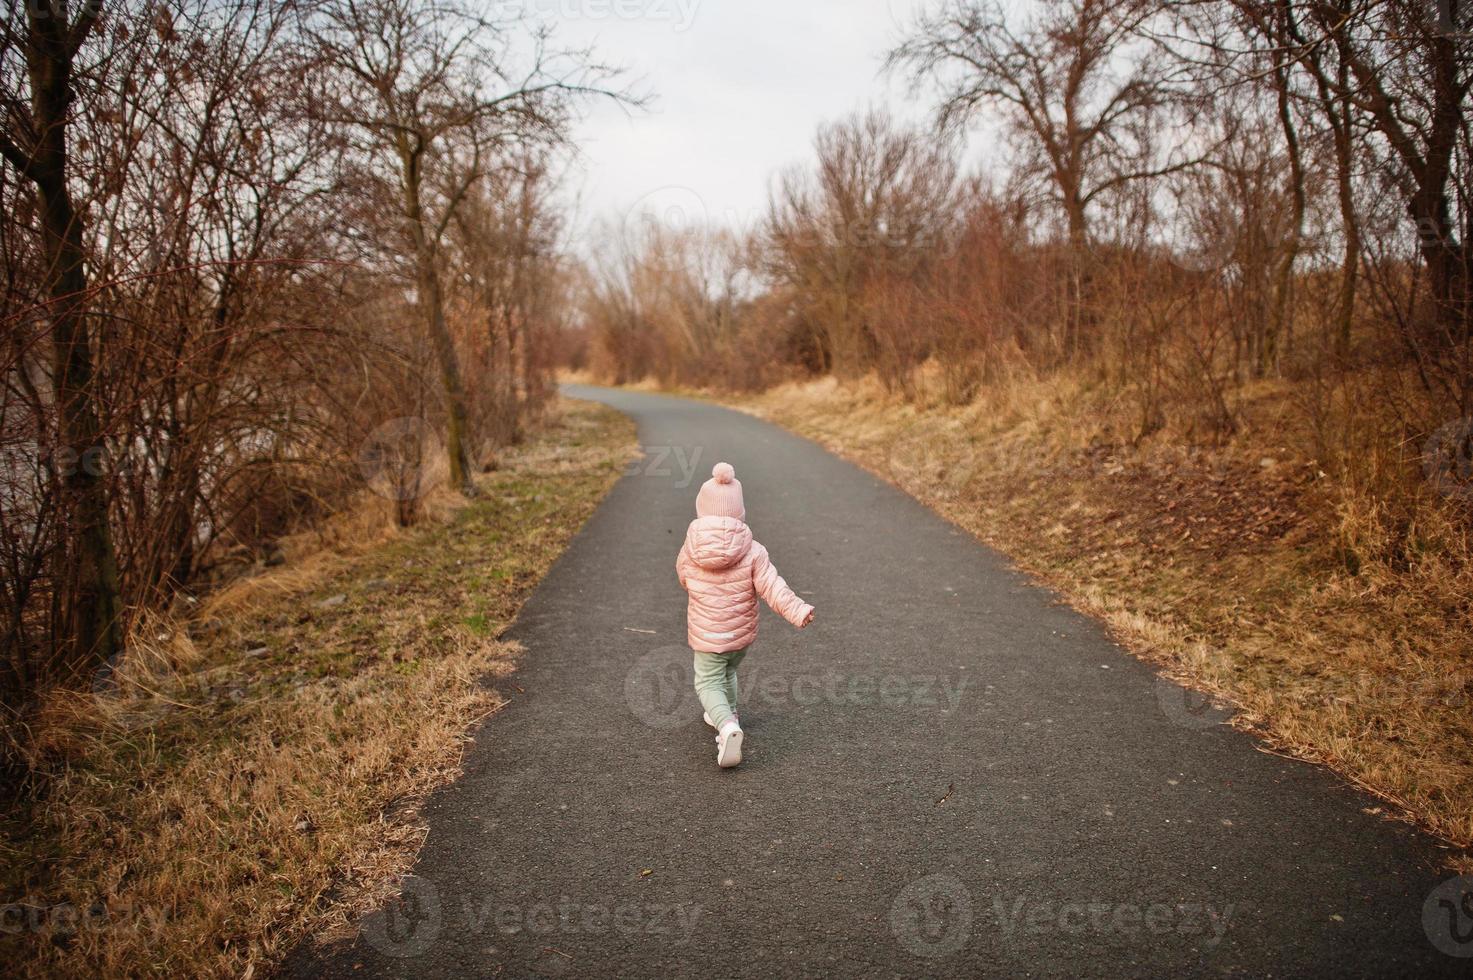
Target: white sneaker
column 729, row 746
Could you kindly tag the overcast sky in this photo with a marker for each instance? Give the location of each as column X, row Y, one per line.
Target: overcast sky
column 739, row 87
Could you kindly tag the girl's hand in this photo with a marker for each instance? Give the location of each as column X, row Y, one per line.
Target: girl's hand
column 807, row 619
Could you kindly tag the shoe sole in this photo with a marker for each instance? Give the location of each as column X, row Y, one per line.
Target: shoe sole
column 730, row 754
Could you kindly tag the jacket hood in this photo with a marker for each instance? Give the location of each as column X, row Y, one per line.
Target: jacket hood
column 717, row 542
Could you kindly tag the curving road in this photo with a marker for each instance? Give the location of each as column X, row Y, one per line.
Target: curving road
column 950, row 774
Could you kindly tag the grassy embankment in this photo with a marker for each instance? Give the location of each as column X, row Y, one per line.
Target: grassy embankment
column 1343, row 633
column 256, row 778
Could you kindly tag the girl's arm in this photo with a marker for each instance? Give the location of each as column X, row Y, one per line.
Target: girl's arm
column 775, row 592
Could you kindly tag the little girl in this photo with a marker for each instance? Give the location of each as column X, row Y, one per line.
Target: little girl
column 724, row 571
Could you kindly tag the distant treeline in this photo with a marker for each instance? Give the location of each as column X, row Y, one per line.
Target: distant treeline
column 1199, row 196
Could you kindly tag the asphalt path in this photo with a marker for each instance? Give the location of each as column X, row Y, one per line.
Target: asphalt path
column 951, row 773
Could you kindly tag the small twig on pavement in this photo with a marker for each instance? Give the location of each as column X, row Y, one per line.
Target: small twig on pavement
column 950, row 788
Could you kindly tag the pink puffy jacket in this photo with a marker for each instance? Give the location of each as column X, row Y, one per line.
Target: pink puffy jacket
column 724, row 571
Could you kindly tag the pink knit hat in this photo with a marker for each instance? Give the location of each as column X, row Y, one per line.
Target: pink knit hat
column 721, row 496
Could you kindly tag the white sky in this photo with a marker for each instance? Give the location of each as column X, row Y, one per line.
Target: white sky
column 739, row 88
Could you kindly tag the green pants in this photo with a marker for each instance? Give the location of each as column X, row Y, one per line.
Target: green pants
column 716, row 683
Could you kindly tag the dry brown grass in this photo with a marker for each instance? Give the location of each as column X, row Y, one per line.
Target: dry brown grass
column 1241, row 568
column 254, row 778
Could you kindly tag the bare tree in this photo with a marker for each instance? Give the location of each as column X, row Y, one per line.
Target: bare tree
column 439, row 90
column 1079, row 88
column 1407, row 71
column 1388, row 80
column 34, row 140
column 505, row 259
column 1075, row 83
column 880, row 200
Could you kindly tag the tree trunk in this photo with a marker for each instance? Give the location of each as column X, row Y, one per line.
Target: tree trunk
column 456, row 422
column 1446, row 262
column 1077, row 320
column 432, row 303
column 1428, row 160
column 1445, row 256
column 1282, row 322
column 95, row 615
column 1345, row 193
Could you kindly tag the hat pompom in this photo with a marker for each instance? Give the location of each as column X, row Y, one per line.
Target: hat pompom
column 723, row 473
